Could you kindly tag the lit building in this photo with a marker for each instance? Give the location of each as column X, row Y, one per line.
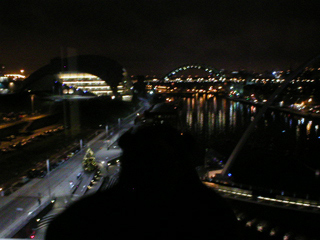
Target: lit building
column 10, row 83
column 94, row 76
column 85, row 82
column 4, row 85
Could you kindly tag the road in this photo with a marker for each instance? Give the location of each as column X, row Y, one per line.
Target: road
column 26, row 119
column 22, row 205
column 37, row 132
column 19, row 207
column 63, row 201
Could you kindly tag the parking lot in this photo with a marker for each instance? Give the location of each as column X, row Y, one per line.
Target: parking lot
column 27, row 152
column 14, row 142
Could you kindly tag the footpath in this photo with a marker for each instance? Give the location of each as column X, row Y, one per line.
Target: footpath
column 17, row 209
column 88, row 185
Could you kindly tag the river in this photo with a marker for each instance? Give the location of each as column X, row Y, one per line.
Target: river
column 282, row 153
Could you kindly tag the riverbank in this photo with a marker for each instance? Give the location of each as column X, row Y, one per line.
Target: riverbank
column 283, row 109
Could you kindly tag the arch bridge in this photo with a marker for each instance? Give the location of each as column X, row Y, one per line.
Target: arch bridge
column 207, row 68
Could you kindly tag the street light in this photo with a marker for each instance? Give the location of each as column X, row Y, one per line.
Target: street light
column 32, row 103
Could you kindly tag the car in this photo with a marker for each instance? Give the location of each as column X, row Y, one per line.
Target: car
column 25, row 142
column 42, row 135
column 263, row 226
column 33, row 173
column 35, row 138
column 16, row 145
column 26, row 133
column 9, row 138
column 48, row 132
column 251, row 223
column 79, row 175
column 24, row 179
column 53, row 166
column 61, row 161
column 43, row 173
column 315, row 109
column 6, row 150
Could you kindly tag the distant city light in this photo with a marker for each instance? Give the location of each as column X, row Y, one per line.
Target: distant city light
column 15, row 75
column 76, row 75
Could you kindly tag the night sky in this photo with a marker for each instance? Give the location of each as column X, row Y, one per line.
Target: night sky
column 155, row 36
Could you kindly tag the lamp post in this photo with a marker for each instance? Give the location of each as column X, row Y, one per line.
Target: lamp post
column 32, row 103
column 48, row 178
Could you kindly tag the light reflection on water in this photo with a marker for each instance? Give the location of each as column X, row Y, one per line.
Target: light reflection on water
column 279, row 138
column 207, row 116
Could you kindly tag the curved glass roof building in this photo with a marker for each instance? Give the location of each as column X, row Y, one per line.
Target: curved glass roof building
column 80, row 75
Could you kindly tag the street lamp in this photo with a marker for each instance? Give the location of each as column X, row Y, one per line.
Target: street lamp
column 32, row 103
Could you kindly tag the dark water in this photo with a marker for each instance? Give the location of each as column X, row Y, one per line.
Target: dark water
column 282, row 153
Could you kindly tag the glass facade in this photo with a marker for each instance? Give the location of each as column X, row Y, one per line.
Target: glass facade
column 85, row 82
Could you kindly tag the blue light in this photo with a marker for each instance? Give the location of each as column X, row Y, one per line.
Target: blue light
column 229, row 174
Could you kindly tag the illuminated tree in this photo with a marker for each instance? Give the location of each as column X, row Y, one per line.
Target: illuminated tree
column 89, row 161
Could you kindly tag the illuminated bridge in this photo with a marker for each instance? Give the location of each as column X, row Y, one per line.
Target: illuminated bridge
column 210, row 70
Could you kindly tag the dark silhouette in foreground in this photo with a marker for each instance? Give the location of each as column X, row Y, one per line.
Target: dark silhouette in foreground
column 158, row 196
